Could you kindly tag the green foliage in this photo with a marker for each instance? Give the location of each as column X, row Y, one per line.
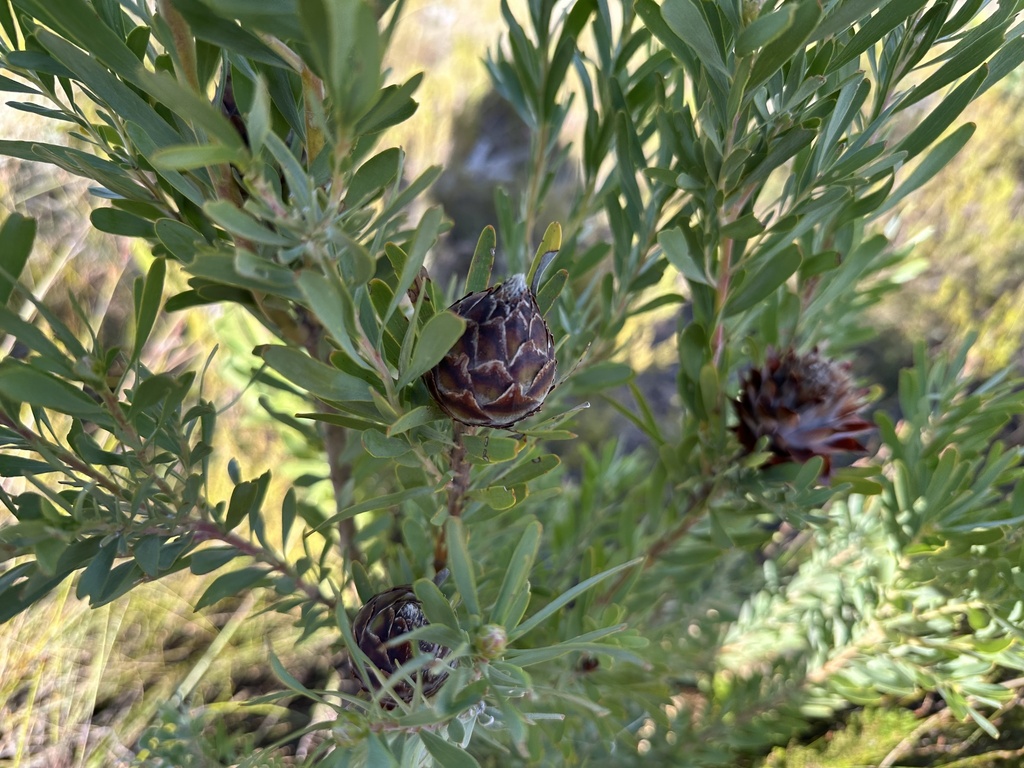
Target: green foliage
column 738, row 159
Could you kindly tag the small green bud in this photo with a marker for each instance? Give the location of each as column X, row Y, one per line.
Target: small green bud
column 491, row 641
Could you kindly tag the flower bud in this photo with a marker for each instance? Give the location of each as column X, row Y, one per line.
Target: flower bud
column 503, row 366
column 385, row 618
column 491, row 641
column 805, row 404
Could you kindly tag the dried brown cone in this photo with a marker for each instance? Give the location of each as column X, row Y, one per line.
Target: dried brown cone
column 503, row 367
column 386, row 617
column 806, row 405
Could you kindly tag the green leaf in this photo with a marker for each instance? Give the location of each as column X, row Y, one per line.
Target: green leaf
column 551, row 290
column 479, row 276
column 765, row 29
column 24, row 384
column 936, row 160
column 435, row 605
column 207, row 560
column 378, row 502
column 763, row 279
column 181, row 240
column 879, row 25
column 417, row 417
column 602, row 376
column 239, row 223
column 246, row 499
column 942, row 116
column 446, row 754
column 491, row 448
column 13, row 86
column 567, row 597
column 686, row 20
column 185, row 157
column 517, row 573
column 530, row 470
column 963, row 61
column 331, row 302
column 782, row 49
column 377, row 753
column 373, row 176
column 97, row 573
column 676, row 249
column 147, row 304
column 382, row 447
column 113, row 93
column 16, row 236
column 844, row 15
column 315, row 377
column 435, row 340
column 147, row 554
column 117, row 222
column 743, row 228
column 496, row 497
column 231, row 585
column 461, row 565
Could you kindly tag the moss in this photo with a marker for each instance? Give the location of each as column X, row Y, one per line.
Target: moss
column 868, row 736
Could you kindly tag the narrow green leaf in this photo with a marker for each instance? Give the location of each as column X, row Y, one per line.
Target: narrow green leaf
column 446, row 754
column 781, row 50
column 479, row 276
column 246, row 498
column 879, row 25
column 551, row 290
column 417, row 417
column 844, row 15
column 435, row 340
column 24, row 384
column 491, row 448
column 316, row 377
column 377, row 753
column 936, row 160
column 942, row 116
column 16, row 236
column 238, row 222
column 13, row 86
column 686, row 20
column 185, row 157
column 517, row 573
column 676, row 249
column 743, row 228
column 289, row 680
column 332, row 304
column 208, row 560
column 369, row 181
column 117, row 222
column 378, row 502
column 567, row 597
column 530, row 470
column 435, row 605
column 147, row 304
column 383, row 447
column 496, row 497
column 963, row 61
column 764, row 280
column 231, row 585
column 765, row 29
column 461, row 565
column 97, row 573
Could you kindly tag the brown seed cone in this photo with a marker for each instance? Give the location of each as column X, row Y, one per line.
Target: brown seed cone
column 807, row 406
column 384, row 618
column 503, row 367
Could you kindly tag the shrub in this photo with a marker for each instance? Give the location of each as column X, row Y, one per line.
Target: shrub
column 701, row 593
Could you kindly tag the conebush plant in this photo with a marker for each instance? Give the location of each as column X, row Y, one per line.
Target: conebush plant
column 539, row 594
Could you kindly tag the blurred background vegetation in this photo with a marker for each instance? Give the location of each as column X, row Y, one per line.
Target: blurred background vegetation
column 84, row 687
